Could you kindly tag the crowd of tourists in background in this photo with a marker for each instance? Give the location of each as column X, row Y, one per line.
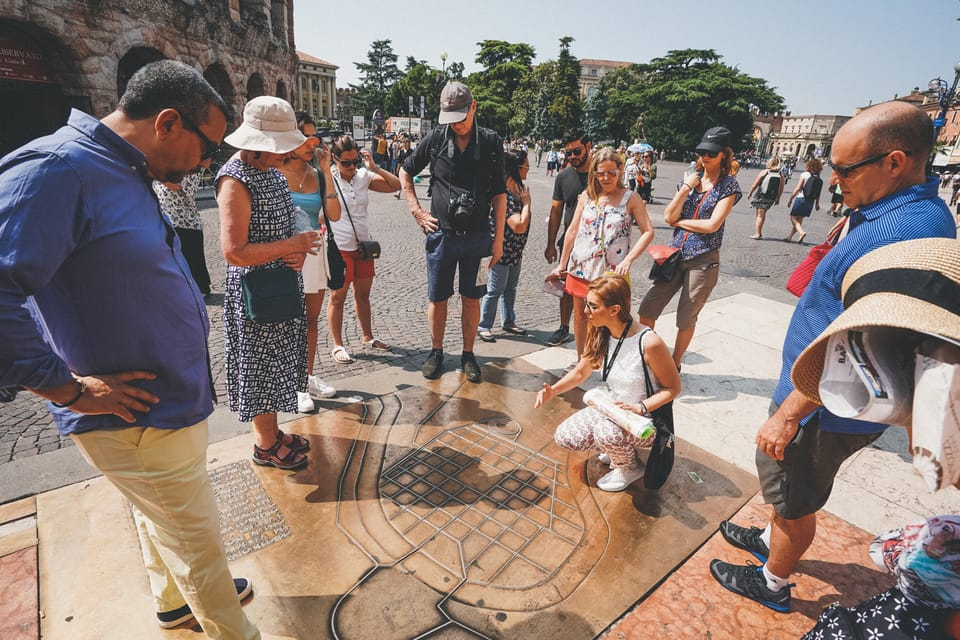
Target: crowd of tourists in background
column 294, row 222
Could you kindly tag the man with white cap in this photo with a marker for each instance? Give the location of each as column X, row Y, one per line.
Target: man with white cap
column 99, row 315
column 468, row 205
column 879, row 157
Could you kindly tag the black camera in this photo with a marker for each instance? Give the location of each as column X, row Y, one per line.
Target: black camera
column 327, row 135
column 461, row 210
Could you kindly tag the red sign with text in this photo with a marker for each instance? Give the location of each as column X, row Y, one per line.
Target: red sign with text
column 21, row 59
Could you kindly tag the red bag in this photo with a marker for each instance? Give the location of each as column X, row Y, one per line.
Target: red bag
column 801, row 276
column 576, row 286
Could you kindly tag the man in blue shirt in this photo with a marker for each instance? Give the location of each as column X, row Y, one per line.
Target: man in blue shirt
column 879, row 157
column 99, row 315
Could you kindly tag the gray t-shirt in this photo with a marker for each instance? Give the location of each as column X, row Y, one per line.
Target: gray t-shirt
column 568, row 186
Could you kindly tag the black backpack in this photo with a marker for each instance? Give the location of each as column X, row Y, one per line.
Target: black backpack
column 811, row 188
column 770, row 187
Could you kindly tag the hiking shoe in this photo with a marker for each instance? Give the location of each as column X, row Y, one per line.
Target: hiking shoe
column 470, row 367
column 745, row 538
column 559, row 337
column 748, row 581
column 433, row 365
column 177, row 617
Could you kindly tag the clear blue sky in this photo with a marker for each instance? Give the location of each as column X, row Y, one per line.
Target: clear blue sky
column 822, row 56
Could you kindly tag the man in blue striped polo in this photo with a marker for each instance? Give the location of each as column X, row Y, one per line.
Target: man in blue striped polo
column 879, row 157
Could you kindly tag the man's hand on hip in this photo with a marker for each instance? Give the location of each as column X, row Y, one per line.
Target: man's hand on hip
column 112, row 394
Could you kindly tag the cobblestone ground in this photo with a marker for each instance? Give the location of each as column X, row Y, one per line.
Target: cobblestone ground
column 399, row 291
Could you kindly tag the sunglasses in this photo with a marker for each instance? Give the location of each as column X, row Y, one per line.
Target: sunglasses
column 210, row 147
column 611, row 174
column 844, row 171
column 708, row 154
column 575, row 152
column 356, row 162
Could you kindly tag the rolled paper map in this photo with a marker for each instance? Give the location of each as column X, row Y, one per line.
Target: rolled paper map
column 640, row 426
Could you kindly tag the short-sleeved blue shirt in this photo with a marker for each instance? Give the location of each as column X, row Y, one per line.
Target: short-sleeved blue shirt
column 916, row 212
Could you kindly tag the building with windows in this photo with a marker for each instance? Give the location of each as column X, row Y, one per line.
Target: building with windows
column 316, row 87
column 60, row 54
column 592, row 70
column 805, row 137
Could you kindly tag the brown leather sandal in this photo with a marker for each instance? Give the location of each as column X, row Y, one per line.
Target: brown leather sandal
column 271, row 457
column 296, row 442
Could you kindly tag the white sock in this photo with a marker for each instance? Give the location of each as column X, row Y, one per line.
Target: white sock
column 765, row 536
column 774, row 583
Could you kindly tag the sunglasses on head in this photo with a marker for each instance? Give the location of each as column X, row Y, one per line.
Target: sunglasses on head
column 708, row 154
column 355, row 162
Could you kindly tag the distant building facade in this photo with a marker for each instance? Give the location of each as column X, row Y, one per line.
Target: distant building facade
column 805, row 137
column 316, row 87
column 592, row 70
column 765, row 124
column 949, row 134
column 60, row 54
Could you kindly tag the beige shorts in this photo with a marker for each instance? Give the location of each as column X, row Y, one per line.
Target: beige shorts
column 695, row 280
column 315, row 272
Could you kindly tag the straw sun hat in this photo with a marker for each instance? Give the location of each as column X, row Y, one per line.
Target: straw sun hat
column 912, row 285
column 269, row 124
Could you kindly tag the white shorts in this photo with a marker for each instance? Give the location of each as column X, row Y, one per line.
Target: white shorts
column 315, row 272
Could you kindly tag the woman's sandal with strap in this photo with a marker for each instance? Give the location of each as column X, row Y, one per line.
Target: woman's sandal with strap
column 271, row 458
column 297, row 442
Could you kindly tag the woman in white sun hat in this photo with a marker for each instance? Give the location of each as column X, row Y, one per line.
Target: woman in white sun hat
column 265, row 360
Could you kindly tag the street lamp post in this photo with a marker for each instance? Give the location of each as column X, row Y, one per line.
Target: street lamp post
column 443, row 60
column 946, row 98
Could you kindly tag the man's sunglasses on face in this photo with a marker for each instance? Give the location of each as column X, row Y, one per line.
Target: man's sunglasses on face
column 355, row 162
column 575, row 152
column 210, row 147
column 844, row 171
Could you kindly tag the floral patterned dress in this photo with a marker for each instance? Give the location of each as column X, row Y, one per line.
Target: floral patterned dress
column 602, row 241
column 265, row 362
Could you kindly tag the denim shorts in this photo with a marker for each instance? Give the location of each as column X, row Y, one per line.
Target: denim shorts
column 448, row 252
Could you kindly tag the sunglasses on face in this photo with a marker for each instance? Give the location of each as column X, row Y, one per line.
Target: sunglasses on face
column 708, row 154
column 575, row 152
column 844, row 171
column 210, row 147
column 356, row 162
column 607, row 174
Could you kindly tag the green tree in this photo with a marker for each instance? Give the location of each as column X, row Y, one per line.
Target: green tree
column 531, row 103
column 566, row 107
column 594, row 116
column 377, row 76
column 505, row 65
column 682, row 95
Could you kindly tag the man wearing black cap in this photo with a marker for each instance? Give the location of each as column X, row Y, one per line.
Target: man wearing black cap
column 468, row 202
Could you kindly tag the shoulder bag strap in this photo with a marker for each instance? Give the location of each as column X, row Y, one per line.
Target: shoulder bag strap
column 643, row 361
column 336, row 182
column 696, row 214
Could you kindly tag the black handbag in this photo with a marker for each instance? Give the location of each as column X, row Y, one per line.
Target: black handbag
column 664, row 269
column 271, row 295
column 368, row 249
column 662, row 454
column 336, row 266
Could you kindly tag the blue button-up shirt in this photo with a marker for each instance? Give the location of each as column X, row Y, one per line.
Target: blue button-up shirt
column 92, row 278
column 916, row 212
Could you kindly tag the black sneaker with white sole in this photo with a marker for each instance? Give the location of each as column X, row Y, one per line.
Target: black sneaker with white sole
column 748, row 581
column 746, row 538
column 177, row 617
column 559, row 337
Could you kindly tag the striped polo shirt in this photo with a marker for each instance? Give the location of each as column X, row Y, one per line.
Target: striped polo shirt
column 916, row 212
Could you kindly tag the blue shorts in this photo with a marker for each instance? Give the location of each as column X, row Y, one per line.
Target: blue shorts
column 446, row 253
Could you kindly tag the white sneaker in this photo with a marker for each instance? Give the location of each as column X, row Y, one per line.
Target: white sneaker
column 604, row 458
column 620, row 478
column 317, row 388
column 305, row 403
